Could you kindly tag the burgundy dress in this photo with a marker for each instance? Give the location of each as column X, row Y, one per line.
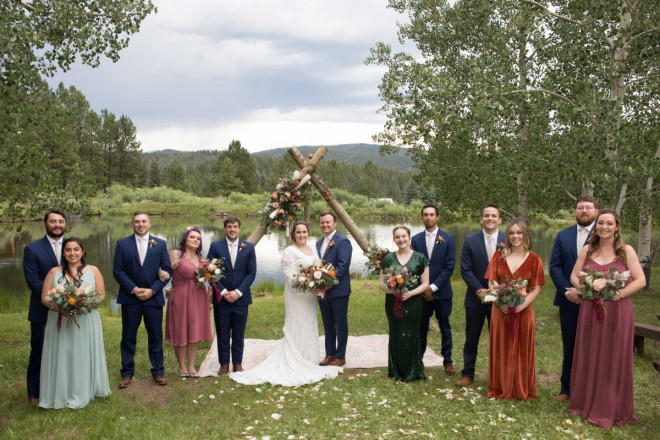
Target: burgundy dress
column 602, row 372
column 512, row 360
column 188, row 317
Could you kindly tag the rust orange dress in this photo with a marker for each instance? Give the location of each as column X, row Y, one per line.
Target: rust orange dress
column 512, row 361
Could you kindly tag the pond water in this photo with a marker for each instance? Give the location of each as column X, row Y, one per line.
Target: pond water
column 100, row 236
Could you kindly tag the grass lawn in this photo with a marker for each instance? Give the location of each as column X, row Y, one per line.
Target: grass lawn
column 359, row 404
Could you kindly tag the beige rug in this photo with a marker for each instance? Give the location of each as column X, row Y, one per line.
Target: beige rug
column 361, row 352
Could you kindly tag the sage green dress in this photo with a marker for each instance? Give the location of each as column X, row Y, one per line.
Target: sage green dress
column 404, row 354
column 73, row 366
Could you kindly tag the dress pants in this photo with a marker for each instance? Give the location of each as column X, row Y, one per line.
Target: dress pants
column 37, row 332
column 230, row 322
column 131, row 317
column 568, row 321
column 334, row 312
column 442, row 310
column 474, row 323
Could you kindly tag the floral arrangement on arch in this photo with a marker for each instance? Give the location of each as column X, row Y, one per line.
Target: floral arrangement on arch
column 374, row 255
column 285, row 203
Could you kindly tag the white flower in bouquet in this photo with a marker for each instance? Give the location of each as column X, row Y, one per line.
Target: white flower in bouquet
column 217, row 271
column 318, row 274
column 59, row 288
column 212, row 267
column 201, row 279
column 311, row 284
column 302, row 280
column 489, row 297
column 296, row 174
column 599, row 284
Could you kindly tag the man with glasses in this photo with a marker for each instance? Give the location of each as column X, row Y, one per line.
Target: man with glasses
column 567, row 245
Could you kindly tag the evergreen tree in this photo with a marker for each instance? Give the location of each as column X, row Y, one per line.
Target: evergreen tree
column 154, row 174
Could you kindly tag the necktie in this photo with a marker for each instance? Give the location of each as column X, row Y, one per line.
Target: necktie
column 582, row 236
column 430, row 242
column 232, row 253
column 58, row 252
column 324, row 246
column 142, row 249
column 489, row 250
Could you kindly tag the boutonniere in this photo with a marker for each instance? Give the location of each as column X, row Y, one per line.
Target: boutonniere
column 331, row 244
column 439, row 239
column 500, row 246
column 241, row 246
column 152, row 243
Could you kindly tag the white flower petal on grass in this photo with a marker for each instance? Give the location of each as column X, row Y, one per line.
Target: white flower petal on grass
column 194, row 401
column 275, row 416
column 382, row 402
column 306, row 422
column 211, row 396
column 249, row 428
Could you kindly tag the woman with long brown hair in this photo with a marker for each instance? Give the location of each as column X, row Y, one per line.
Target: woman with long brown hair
column 512, row 361
column 602, row 372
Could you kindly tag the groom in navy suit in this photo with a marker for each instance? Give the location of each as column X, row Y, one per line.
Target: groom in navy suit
column 137, row 263
column 438, row 247
column 336, row 249
column 230, row 303
column 478, row 248
column 563, row 258
column 40, row 257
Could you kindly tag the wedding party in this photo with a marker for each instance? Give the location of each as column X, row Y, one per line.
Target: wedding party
column 591, row 267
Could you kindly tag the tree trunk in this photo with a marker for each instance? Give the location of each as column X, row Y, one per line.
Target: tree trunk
column 644, row 230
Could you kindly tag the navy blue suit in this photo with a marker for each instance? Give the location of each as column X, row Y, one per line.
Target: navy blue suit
column 442, row 262
column 564, row 256
column 334, row 309
column 474, row 262
column 38, row 259
column 231, row 318
column 130, row 274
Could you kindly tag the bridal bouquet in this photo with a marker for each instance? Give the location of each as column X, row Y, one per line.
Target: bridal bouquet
column 401, row 281
column 316, row 278
column 208, row 273
column 512, row 293
column 73, row 300
column 374, row 256
column 599, row 286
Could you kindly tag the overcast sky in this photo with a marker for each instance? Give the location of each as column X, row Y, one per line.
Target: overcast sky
column 268, row 73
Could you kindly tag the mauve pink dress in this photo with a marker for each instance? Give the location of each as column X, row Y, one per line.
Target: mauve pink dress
column 602, row 372
column 188, row 317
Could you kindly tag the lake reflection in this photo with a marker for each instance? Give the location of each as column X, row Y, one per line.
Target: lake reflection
column 101, row 234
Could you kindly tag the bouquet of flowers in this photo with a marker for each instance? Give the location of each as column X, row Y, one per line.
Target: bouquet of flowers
column 374, row 255
column 73, row 300
column 316, row 278
column 401, row 281
column 208, row 273
column 285, row 204
column 512, row 293
column 599, row 286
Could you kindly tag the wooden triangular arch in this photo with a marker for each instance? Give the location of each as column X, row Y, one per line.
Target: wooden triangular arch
column 309, row 167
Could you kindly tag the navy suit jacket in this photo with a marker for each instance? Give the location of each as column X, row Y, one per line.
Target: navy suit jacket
column 562, row 260
column 38, row 259
column 442, row 261
column 241, row 275
column 474, row 262
column 130, row 274
column 339, row 255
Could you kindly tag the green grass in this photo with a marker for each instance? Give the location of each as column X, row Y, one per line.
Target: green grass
column 359, row 404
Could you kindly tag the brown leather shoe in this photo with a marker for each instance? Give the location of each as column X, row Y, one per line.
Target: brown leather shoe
column 449, row 369
column 124, row 382
column 338, row 363
column 562, row 398
column 224, row 369
column 464, row 381
column 326, row 361
column 32, row 401
column 238, row 367
column 160, row 380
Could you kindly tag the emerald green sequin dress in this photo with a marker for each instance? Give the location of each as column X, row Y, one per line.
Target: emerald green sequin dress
column 404, row 357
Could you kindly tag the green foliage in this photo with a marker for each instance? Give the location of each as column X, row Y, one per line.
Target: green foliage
column 40, row 37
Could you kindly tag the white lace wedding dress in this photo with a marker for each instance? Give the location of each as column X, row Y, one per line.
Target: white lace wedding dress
column 295, row 360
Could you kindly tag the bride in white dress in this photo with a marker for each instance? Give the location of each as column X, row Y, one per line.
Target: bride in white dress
column 295, row 360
